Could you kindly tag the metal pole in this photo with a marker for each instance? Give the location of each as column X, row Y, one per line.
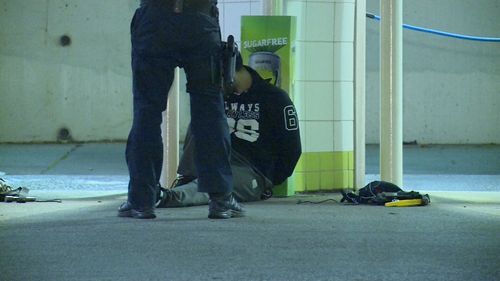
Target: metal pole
column 391, row 91
column 360, row 95
column 170, row 134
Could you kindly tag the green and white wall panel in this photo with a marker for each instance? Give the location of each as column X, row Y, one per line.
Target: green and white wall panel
column 324, row 93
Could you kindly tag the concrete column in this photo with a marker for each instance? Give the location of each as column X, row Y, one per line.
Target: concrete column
column 359, row 95
column 272, row 7
column 391, row 91
column 170, row 134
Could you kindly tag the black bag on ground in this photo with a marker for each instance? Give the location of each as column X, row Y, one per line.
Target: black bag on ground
column 381, row 192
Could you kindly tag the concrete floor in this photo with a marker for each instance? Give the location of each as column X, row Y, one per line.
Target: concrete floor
column 454, row 238
column 95, row 168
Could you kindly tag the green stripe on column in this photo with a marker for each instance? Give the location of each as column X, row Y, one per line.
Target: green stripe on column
column 324, row 171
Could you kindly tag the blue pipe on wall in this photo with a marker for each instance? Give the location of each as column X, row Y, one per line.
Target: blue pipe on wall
column 442, row 33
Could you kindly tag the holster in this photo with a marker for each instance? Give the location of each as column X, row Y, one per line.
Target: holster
column 229, row 52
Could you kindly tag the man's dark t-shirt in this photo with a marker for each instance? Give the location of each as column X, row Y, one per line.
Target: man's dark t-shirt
column 265, row 129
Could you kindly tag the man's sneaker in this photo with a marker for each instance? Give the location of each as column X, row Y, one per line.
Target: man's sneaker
column 164, row 196
column 126, row 210
column 224, row 206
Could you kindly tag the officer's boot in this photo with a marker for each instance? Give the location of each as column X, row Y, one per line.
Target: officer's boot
column 224, row 206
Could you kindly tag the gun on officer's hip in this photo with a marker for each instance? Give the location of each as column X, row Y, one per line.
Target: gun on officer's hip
column 229, row 52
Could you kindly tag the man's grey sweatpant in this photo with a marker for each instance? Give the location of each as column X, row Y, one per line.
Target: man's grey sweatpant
column 249, row 185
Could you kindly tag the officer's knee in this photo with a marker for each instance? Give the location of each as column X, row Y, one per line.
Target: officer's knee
column 203, row 76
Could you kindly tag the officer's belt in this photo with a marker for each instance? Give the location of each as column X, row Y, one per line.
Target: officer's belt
column 179, row 6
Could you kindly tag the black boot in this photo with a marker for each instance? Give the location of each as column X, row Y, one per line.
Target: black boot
column 126, row 210
column 224, row 206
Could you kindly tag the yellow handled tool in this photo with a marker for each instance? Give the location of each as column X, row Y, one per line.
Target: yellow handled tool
column 405, row 203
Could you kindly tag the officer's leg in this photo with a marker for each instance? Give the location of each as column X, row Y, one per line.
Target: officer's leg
column 152, row 78
column 208, row 119
column 209, row 126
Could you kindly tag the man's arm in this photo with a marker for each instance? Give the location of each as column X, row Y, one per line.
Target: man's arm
column 287, row 147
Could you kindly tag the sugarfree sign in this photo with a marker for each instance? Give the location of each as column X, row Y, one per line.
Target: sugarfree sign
column 269, row 42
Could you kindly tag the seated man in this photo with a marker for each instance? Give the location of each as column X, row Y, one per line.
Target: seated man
column 265, row 143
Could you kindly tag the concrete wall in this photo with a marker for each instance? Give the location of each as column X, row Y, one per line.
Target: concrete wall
column 83, row 87
column 451, row 86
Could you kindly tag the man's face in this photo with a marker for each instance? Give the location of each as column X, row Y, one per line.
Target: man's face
column 238, row 87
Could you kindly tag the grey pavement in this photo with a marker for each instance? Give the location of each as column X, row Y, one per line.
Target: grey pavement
column 305, row 237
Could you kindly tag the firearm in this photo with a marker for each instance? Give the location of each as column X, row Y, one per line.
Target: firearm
column 230, row 49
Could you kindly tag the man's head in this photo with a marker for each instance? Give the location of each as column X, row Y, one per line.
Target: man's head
column 242, row 78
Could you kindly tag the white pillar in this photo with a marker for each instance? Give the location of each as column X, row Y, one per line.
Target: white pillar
column 360, row 95
column 170, row 134
column 391, row 91
column 272, row 7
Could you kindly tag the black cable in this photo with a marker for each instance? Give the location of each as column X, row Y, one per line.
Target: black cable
column 317, row 202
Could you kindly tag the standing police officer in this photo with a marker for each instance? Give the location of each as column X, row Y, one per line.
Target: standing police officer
column 166, row 34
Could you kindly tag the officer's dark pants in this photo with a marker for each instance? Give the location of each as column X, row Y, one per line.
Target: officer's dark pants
column 162, row 40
